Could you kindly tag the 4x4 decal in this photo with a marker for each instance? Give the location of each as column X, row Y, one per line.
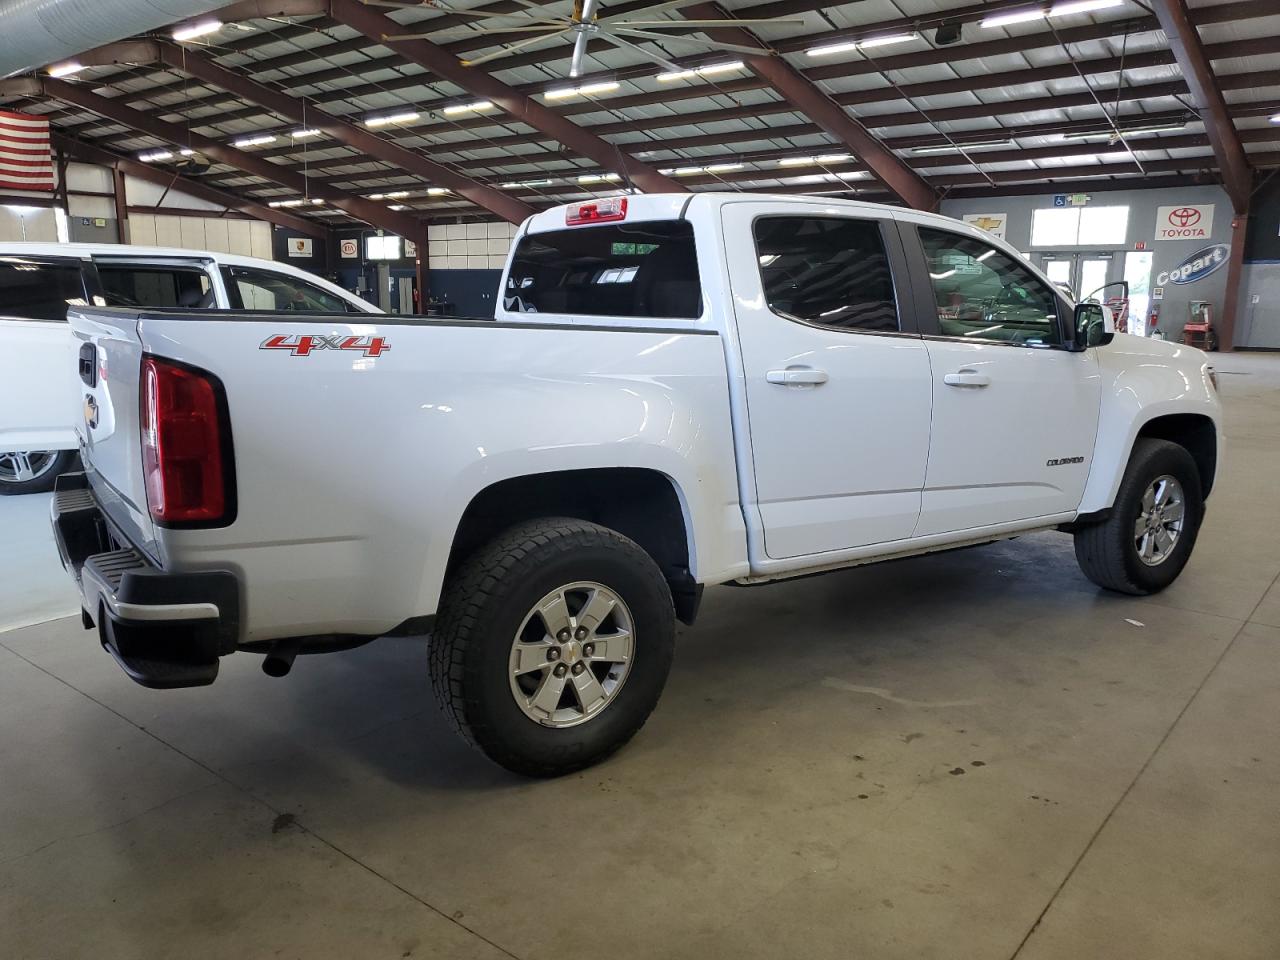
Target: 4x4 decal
column 303, row 345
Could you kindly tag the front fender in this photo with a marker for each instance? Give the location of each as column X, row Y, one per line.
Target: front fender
column 1142, row 380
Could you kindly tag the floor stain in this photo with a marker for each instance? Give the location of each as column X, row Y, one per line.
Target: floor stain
column 283, row 821
column 836, row 683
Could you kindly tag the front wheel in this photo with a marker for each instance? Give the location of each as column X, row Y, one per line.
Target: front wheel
column 1147, row 539
column 32, row 471
column 552, row 645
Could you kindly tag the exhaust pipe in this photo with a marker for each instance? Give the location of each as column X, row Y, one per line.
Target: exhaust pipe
column 279, row 659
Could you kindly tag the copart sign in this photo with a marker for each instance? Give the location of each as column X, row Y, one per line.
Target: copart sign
column 1197, row 266
column 1184, row 222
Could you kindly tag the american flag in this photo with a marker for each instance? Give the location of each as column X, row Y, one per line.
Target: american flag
column 25, row 159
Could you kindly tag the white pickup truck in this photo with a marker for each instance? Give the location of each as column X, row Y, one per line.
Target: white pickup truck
column 676, row 391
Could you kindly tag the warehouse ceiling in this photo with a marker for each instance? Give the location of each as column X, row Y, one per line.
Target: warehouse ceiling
column 887, row 100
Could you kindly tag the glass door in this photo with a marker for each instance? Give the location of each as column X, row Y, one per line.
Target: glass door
column 1137, row 271
column 1081, row 273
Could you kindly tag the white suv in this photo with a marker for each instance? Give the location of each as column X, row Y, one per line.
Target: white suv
column 38, row 281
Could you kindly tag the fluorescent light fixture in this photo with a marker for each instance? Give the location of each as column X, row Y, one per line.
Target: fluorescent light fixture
column 286, row 203
column 65, row 69
column 304, row 134
column 831, row 49
column 1015, row 16
column 724, row 167
column 1276, row 118
column 186, row 152
column 957, row 147
column 317, row 201
column 828, row 177
column 599, row 177
column 810, row 161
column 1124, row 131
column 405, row 116
column 399, row 206
column 189, row 31
column 885, row 40
column 457, row 108
column 561, row 93
column 710, row 70
column 847, row 46
column 520, row 185
column 393, row 195
column 1081, row 6
column 437, row 191
column 153, row 155
column 256, row 140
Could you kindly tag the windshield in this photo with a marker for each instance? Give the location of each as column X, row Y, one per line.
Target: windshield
column 618, row 270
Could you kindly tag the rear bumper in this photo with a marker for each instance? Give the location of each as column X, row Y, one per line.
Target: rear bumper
column 164, row 629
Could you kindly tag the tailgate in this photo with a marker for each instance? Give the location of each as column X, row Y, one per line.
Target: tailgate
column 109, row 366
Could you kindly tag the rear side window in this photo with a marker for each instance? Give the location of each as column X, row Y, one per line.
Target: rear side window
column 32, row 290
column 619, row 270
column 832, row 271
column 126, row 285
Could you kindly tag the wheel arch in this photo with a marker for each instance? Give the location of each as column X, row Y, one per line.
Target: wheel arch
column 1194, row 432
column 641, row 503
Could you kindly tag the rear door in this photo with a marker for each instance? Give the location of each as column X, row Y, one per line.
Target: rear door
column 1015, row 414
column 837, row 378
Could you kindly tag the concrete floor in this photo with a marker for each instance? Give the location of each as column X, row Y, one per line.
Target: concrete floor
column 967, row 756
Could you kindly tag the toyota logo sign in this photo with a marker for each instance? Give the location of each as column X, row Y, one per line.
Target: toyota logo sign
column 1185, row 221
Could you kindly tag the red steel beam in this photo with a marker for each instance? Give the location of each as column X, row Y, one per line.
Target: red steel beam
column 358, row 207
column 92, row 153
column 521, row 107
column 1184, row 41
column 195, row 64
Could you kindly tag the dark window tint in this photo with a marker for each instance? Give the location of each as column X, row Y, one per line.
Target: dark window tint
column 826, row 270
column 622, row 270
column 266, row 290
column 126, row 285
column 984, row 294
column 39, row 291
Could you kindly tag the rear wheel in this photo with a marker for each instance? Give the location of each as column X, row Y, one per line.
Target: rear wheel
column 552, row 645
column 32, row 471
column 1147, row 539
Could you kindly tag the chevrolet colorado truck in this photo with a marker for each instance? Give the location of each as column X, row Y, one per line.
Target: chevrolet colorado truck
column 675, row 391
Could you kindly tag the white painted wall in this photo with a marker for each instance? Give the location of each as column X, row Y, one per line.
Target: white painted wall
column 469, row 246
column 250, row 238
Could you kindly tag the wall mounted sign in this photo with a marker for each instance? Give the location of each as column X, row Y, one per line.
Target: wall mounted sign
column 300, row 247
column 410, row 248
column 1197, row 266
column 349, row 249
column 1157, row 293
column 994, row 223
column 1140, row 245
column 1184, row 222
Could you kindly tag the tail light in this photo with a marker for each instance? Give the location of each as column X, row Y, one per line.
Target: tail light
column 186, row 455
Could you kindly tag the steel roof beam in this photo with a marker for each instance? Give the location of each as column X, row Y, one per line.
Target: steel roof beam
column 358, row 207
column 1184, row 41
column 376, row 26
column 95, row 154
column 196, row 65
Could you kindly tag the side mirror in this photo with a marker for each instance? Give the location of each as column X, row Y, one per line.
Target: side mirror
column 1094, row 326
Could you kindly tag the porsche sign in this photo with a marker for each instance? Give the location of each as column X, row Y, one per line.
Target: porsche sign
column 1184, row 222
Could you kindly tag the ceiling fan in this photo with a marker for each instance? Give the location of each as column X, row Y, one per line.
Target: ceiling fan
column 626, row 30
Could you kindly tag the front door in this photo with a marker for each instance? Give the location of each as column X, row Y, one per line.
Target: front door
column 1015, row 415
column 1081, row 275
column 837, row 378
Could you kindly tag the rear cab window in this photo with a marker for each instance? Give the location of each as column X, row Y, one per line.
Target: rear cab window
column 156, row 285
column 35, row 289
column 644, row 269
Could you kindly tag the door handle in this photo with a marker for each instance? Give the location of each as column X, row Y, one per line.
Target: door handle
column 966, row 378
column 794, row 376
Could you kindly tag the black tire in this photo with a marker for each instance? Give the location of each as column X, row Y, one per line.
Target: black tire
column 63, row 462
column 1107, row 552
column 480, row 614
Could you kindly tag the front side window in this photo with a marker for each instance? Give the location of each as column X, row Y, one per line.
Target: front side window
column 615, row 270
column 983, row 294
column 832, row 271
column 127, row 285
column 266, row 290
column 31, row 290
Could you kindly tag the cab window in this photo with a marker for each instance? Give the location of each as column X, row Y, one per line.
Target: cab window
column 253, row 289
column 130, row 285
column 982, row 293
column 829, row 271
column 36, row 290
